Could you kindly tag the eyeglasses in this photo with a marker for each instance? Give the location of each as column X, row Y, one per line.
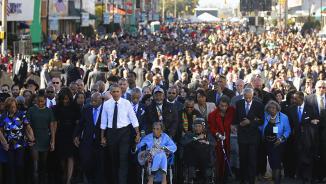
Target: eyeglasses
column 187, row 107
column 55, row 82
column 171, row 93
column 50, row 92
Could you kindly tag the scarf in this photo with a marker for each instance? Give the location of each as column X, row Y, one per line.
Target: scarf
column 185, row 120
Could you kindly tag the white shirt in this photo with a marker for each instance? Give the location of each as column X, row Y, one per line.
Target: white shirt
column 48, row 101
column 318, row 101
column 230, row 86
column 129, row 90
column 18, row 63
column 237, row 94
column 249, row 105
column 126, row 114
column 170, row 102
column 302, row 106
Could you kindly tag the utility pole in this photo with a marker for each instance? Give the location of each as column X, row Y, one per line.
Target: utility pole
column 80, row 16
column 163, row 16
column 47, row 18
column 321, row 13
column 309, row 10
column 4, row 25
column 285, row 10
column 175, row 9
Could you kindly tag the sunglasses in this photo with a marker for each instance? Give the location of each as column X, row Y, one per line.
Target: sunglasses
column 55, row 82
column 50, row 92
column 171, row 93
column 189, row 107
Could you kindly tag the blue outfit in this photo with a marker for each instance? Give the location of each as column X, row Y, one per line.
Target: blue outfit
column 3, row 154
column 269, row 137
column 159, row 160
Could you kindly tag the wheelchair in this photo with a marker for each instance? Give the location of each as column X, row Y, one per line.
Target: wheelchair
column 170, row 175
column 199, row 174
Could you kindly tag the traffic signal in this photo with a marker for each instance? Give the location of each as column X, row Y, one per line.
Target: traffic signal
column 282, row 2
column 2, row 35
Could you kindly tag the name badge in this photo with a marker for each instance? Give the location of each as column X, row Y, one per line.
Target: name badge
column 275, row 130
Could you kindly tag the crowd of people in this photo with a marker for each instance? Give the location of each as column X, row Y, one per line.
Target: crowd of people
column 211, row 94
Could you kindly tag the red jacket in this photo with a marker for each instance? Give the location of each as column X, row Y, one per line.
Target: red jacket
column 215, row 125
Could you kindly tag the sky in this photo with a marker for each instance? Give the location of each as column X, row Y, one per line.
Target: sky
column 218, row 3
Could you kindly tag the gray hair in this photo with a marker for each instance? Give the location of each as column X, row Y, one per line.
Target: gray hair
column 135, row 90
column 159, row 123
column 20, row 99
column 320, row 82
column 79, row 80
column 248, row 90
column 278, row 107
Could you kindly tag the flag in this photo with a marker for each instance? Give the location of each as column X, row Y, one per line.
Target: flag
column 60, row 6
column 313, row 7
column 8, row 7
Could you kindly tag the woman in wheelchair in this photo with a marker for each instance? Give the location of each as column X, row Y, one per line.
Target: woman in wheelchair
column 158, row 147
column 199, row 150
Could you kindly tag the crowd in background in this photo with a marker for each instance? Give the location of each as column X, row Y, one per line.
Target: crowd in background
column 198, row 84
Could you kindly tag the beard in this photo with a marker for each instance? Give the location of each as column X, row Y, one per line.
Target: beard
column 159, row 102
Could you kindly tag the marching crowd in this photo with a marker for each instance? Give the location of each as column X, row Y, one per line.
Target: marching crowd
column 211, row 94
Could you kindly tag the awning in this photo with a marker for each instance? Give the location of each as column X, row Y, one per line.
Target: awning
column 115, row 10
column 23, row 25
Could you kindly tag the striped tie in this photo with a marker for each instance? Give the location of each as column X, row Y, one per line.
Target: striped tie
column 135, row 110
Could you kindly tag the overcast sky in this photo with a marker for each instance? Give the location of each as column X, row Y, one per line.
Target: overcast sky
column 219, row 3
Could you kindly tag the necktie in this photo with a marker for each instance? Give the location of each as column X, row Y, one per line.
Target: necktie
column 115, row 117
column 299, row 114
column 123, row 96
column 95, row 116
column 135, row 110
column 247, row 109
column 322, row 106
column 51, row 103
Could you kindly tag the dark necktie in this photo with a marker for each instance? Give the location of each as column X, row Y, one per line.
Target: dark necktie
column 115, row 117
column 51, row 103
column 123, row 96
column 247, row 109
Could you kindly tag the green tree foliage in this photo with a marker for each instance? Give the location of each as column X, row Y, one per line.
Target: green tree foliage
column 180, row 7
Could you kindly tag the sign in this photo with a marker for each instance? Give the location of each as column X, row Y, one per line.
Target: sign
column 77, row 4
column 143, row 16
column 20, row 10
column 156, row 16
column 150, row 16
column 106, row 18
column 129, row 7
column 294, row 3
column 85, row 19
column 116, row 18
column 53, row 21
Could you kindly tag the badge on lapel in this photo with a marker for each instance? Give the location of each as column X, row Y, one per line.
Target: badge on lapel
column 142, row 111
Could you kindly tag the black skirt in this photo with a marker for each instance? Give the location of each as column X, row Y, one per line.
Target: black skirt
column 64, row 139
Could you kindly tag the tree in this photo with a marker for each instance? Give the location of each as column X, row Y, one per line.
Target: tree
column 180, row 7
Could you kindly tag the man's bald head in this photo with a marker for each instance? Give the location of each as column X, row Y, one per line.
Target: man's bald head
column 107, row 96
column 258, row 83
column 96, row 100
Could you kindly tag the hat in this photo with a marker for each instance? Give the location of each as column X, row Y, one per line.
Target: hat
column 199, row 121
column 158, row 90
column 31, row 81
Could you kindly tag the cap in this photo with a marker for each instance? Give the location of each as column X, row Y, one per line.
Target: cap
column 199, row 121
column 158, row 90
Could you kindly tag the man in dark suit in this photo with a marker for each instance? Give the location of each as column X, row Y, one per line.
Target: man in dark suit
column 317, row 100
column 81, row 88
column 19, row 71
column 140, row 73
column 258, row 83
column 195, row 82
column 300, row 114
column 95, row 76
column 230, row 84
column 162, row 111
column 269, row 81
column 240, row 97
column 140, row 111
column 249, row 115
column 93, row 57
column 219, row 90
column 89, row 70
column 173, row 76
column 123, row 83
column 85, row 60
column 172, row 95
column 122, row 67
column 93, row 152
column 157, row 84
column 71, row 72
column 148, row 79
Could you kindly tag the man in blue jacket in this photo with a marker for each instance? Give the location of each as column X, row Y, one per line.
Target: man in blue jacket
column 93, row 152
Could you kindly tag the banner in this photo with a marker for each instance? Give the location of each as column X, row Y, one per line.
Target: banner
column 20, row 10
column 106, row 18
column 129, row 7
column 156, row 16
column 143, row 16
column 85, row 19
column 116, row 18
column 150, row 16
column 53, row 21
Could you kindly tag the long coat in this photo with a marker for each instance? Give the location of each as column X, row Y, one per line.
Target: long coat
column 215, row 125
